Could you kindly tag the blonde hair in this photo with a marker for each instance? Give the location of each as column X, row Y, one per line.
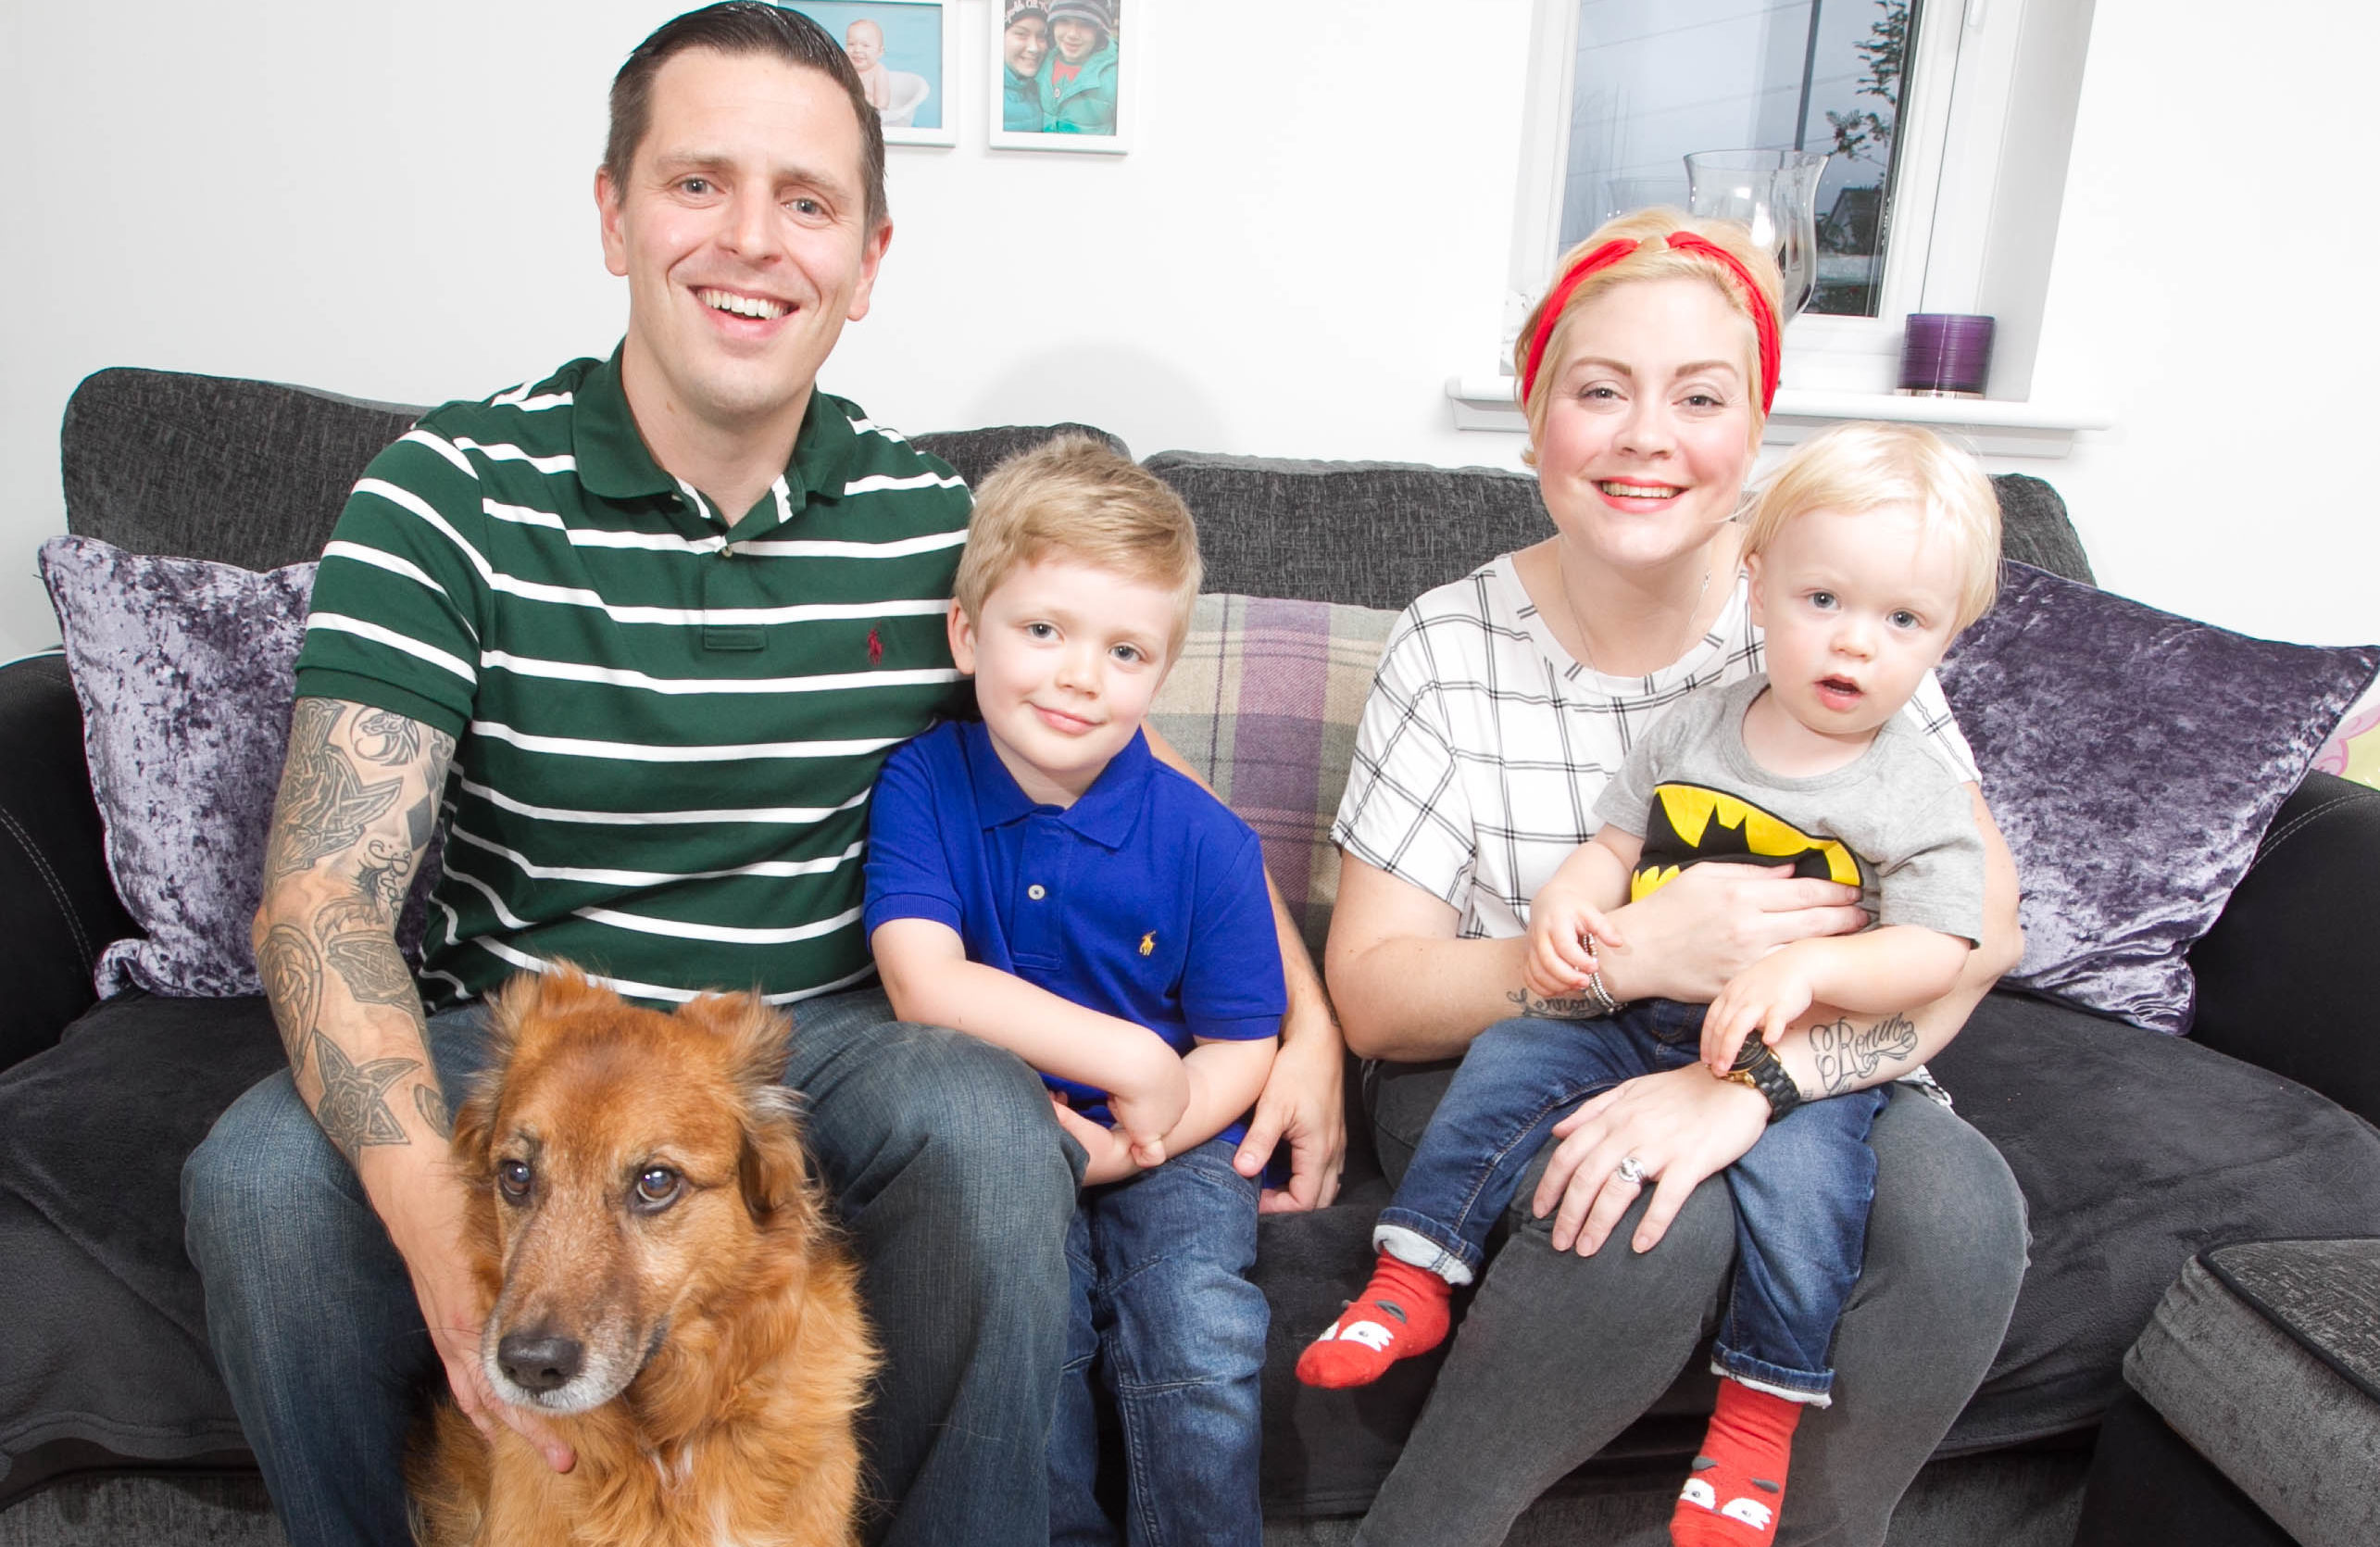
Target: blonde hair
column 1653, row 259
column 1866, row 466
column 1076, row 498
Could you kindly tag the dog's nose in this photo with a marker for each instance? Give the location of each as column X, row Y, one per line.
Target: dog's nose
column 539, row 1363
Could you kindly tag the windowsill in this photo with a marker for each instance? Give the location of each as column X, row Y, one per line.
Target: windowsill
column 1995, row 426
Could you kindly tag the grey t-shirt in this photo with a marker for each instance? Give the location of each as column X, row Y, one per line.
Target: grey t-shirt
column 1895, row 821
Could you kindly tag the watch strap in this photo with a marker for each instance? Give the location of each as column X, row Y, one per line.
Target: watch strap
column 1757, row 1065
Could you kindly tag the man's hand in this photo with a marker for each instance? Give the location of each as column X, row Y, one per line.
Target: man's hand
column 457, row 1312
column 1302, row 1102
column 1764, row 997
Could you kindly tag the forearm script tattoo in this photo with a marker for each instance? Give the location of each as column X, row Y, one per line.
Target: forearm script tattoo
column 1848, row 1054
column 1578, row 1007
column 348, row 855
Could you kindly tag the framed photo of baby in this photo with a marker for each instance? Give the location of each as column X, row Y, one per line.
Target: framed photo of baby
column 907, row 54
column 1059, row 80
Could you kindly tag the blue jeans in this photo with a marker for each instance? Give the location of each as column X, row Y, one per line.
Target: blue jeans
column 951, row 1180
column 1801, row 1192
column 1162, row 1303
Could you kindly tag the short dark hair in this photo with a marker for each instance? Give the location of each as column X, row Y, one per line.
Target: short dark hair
column 741, row 27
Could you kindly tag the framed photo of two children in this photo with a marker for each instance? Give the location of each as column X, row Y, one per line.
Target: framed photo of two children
column 1059, row 76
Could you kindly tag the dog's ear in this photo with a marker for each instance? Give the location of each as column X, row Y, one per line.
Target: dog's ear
column 773, row 1172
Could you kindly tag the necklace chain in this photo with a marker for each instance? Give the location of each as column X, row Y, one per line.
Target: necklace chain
column 1570, row 608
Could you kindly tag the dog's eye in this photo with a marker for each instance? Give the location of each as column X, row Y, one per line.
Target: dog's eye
column 512, row 1178
column 656, row 1187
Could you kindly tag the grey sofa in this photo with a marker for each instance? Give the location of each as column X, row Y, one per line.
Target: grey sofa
column 2135, row 1151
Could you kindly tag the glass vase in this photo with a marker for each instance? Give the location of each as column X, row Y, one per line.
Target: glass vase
column 1775, row 194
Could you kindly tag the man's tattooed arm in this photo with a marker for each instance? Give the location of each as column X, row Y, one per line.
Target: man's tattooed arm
column 358, row 803
column 1849, row 1053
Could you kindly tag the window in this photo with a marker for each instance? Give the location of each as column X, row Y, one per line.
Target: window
column 1946, row 123
column 1654, row 79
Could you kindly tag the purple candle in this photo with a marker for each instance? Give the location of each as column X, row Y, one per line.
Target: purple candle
column 1946, row 353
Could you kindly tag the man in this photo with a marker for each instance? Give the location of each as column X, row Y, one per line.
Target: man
column 648, row 628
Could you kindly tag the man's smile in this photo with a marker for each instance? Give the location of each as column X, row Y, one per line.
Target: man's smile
column 739, row 304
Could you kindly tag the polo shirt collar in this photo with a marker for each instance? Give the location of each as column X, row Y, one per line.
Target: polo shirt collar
column 1107, row 812
column 613, row 461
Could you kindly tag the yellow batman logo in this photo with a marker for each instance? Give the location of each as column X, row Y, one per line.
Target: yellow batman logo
column 1689, row 823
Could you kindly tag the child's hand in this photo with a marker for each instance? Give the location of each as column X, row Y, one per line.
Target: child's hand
column 1111, row 1157
column 1146, row 1109
column 1765, row 997
column 1559, row 958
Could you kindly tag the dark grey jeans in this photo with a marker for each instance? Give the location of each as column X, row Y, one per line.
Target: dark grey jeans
column 1559, row 1353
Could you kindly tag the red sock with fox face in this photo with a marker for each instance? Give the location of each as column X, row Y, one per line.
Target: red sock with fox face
column 1401, row 1313
column 1738, row 1483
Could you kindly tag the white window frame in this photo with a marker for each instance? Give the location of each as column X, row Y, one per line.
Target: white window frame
column 1984, row 140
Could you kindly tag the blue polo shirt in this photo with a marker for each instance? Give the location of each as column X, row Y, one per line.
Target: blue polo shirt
column 1144, row 899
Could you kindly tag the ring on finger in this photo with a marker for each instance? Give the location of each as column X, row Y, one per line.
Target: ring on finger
column 1630, row 1170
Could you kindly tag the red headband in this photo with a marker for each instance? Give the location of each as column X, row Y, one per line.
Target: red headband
column 1765, row 320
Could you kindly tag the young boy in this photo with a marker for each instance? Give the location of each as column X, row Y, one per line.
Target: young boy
column 1041, row 881
column 1869, row 550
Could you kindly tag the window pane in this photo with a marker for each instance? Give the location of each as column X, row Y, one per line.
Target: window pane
column 1657, row 79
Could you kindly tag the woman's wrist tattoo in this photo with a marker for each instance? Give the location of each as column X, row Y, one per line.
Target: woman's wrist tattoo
column 1570, row 1007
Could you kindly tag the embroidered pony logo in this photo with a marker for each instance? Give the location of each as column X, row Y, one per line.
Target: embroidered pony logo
column 1148, row 942
column 875, row 648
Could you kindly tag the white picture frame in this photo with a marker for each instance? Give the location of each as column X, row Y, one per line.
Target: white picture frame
column 920, row 62
column 1122, row 82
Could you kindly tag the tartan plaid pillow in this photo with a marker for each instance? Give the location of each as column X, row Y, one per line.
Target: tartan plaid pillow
column 1263, row 702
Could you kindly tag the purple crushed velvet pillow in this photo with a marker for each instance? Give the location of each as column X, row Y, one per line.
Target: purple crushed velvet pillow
column 184, row 672
column 2133, row 760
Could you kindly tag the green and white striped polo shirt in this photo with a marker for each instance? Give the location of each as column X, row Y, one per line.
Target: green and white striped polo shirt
column 668, row 725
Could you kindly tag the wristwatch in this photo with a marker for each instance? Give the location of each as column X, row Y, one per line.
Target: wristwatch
column 1757, row 1066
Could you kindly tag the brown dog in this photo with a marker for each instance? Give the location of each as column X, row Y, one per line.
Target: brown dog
column 669, row 1292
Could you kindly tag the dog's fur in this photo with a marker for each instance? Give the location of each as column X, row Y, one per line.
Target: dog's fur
column 725, row 1354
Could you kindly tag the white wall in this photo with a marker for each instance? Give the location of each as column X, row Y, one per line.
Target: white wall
column 1309, row 238
column 2213, row 290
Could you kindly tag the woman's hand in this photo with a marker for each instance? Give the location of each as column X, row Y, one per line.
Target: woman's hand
column 1680, row 1127
column 1685, row 940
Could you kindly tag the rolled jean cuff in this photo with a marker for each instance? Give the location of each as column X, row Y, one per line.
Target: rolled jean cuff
column 1402, row 1240
column 1810, row 1388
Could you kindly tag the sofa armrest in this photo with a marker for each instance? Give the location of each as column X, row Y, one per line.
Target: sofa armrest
column 2289, row 976
column 57, row 907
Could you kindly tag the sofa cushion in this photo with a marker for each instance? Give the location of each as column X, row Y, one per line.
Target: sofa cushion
column 2136, row 1152
column 1263, row 702
column 1398, row 529
column 183, row 670
column 108, row 1337
column 2265, row 1357
column 2133, row 760
column 252, row 473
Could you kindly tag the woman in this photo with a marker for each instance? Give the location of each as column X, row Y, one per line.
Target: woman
column 1504, row 703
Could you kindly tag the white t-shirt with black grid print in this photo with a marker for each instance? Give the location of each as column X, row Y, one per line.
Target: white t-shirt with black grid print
column 1484, row 747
